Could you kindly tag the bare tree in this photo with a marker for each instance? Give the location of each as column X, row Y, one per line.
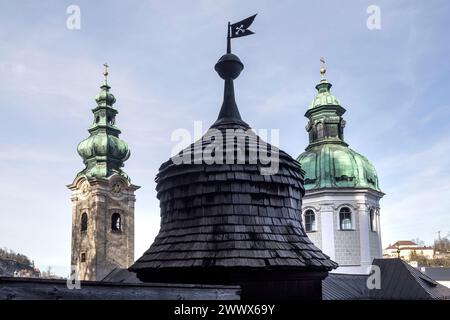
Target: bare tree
column 418, row 242
column 442, row 245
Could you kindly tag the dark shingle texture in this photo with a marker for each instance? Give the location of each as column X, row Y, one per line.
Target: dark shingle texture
column 230, row 216
column 398, row 281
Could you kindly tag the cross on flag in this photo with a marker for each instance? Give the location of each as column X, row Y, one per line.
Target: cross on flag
column 240, row 29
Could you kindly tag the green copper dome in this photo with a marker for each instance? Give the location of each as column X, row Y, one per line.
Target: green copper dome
column 103, row 152
column 323, row 97
column 328, row 161
column 337, row 166
column 105, row 98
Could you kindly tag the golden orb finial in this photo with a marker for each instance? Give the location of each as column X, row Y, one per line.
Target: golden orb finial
column 323, row 70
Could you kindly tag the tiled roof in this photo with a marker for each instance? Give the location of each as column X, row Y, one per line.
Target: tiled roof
column 230, row 216
column 405, row 243
column 401, row 243
column 438, row 273
column 399, row 281
column 345, row 287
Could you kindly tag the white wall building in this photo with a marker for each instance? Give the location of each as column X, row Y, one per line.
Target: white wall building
column 405, row 248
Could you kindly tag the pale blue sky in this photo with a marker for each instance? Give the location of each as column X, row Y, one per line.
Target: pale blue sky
column 394, row 83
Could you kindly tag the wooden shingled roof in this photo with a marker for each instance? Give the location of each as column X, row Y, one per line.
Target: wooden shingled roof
column 220, row 221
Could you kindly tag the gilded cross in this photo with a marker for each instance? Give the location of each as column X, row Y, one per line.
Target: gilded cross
column 105, row 73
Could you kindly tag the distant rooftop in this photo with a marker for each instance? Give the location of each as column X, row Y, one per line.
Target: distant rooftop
column 437, row 273
column 406, row 243
column 399, row 281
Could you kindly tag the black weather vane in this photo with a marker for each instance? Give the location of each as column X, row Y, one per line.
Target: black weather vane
column 239, row 29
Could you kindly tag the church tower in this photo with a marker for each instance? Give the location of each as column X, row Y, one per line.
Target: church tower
column 102, row 197
column 341, row 210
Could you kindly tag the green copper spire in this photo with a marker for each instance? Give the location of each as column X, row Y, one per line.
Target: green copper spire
column 326, row 124
column 103, row 152
column 328, row 161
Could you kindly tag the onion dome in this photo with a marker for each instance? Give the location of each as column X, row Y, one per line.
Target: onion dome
column 337, row 166
column 328, row 161
column 226, row 217
column 323, row 97
column 103, row 152
column 105, row 98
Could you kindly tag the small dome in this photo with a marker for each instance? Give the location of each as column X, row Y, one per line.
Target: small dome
column 324, row 97
column 103, row 155
column 337, row 166
column 103, row 145
column 105, row 98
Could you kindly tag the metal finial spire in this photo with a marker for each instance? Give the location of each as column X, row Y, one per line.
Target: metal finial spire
column 228, row 38
column 323, row 70
column 105, row 73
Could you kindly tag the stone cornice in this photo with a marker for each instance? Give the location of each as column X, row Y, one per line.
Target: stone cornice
column 333, row 191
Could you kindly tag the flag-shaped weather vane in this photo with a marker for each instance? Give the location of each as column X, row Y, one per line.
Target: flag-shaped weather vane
column 239, row 29
column 229, row 67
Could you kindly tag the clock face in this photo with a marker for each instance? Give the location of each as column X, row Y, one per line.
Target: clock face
column 85, row 188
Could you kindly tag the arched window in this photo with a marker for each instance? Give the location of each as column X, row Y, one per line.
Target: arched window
column 110, row 120
column 372, row 220
column 116, row 222
column 84, row 222
column 310, row 221
column 311, row 135
column 345, row 218
column 319, row 129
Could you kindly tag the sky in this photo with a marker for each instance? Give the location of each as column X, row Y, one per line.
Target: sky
column 393, row 81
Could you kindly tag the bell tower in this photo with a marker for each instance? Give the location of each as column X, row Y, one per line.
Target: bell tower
column 102, row 197
column 341, row 206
